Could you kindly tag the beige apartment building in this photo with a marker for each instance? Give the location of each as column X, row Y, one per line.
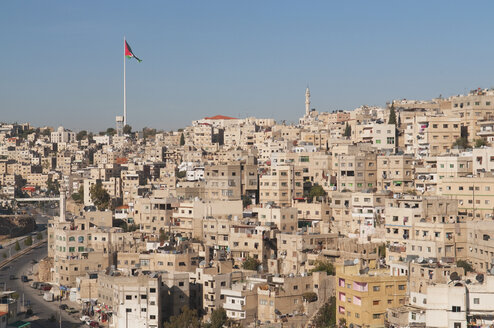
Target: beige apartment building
column 154, row 213
column 395, row 173
column 294, row 251
column 483, row 160
column 240, row 302
column 135, row 301
column 474, row 195
column 284, row 218
column 380, row 136
column 189, row 215
column 362, row 297
column 282, row 185
column 231, row 181
column 404, row 212
column 177, row 261
column 251, row 241
column 284, row 296
column 431, row 135
column 341, row 212
column 453, row 166
column 477, row 105
column 355, row 168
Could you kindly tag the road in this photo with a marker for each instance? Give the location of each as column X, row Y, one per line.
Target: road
column 8, row 247
column 42, row 310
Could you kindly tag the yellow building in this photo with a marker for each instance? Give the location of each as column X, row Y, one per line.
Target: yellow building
column 362, row 298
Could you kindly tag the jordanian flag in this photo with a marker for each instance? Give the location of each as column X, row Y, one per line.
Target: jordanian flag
column 129, row 53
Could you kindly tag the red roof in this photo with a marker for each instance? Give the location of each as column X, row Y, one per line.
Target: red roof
column 220, row 117
column 3, row 313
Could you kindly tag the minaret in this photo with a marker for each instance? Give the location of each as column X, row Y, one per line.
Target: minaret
column 63, row 205
column 307, row 102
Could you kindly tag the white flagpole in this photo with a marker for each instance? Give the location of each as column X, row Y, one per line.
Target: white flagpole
column 125, row 91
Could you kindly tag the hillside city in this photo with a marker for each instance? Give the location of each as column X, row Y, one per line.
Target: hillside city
column 373, row 217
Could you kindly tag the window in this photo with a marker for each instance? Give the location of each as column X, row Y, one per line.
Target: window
column 128, row 297
column 152, row 290
column 376, row 315
column 456, row 309
column 476, row 301
column 376, row 288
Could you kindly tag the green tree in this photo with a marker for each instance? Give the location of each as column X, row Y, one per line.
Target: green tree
column 465, row 265
column 39, row 236
column 28, row 241
column 348, row 131
column 127, row 129
column 324, row 266
column 326, row 316
column 251, row 263
column 100, row 196
column 17, row 246
column 246, row 200
column 186, row 319
column 316, row 191
column 81, row 135
column 148, row 132
column 182, row 139
column 382, row 250
column 309, row 297
column 110, row 132
column 479, row 143
column 461, row 143
column 218, row 319
column 78, row 196
column 162, row 235
column 52, row 186
column 46, row 133
column 392, row 115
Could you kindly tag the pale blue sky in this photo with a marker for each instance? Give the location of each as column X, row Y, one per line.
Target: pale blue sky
column 62, row 60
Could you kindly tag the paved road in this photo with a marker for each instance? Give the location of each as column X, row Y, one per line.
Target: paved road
column 42, row 310
column 41, row 216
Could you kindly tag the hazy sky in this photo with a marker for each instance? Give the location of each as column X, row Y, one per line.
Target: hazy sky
column 62, row 61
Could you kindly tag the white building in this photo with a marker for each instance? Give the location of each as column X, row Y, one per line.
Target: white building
column 461, row 304
column 62, row 135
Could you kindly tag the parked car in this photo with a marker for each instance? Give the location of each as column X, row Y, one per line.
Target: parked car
column 71, row 310
column 85, row 318
column 93, row 324
column 24, row 279
column 34, row 284
column 63, row 306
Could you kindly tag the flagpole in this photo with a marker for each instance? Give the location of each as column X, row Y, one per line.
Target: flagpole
column 125, row 92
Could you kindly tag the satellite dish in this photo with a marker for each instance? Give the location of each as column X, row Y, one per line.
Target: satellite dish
column 431, row 261
column 420, row 259
column 356, row 261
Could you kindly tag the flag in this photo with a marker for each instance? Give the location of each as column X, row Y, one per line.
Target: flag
column 129, row 53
